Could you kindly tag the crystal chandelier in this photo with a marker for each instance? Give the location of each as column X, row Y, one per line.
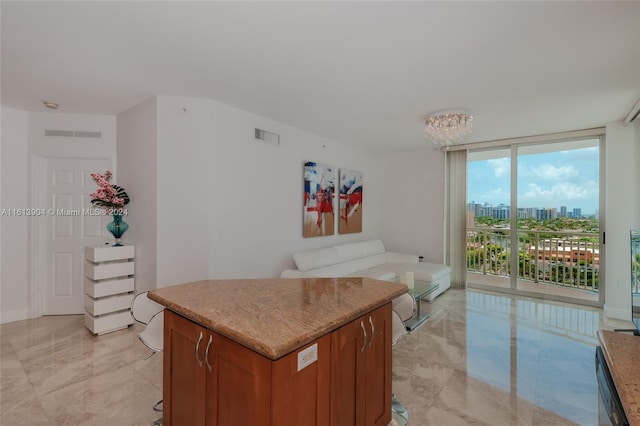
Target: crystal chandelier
column 447, row 129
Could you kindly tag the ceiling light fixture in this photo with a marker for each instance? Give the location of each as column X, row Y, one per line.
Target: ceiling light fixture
column 50, row 104
column 445, row 129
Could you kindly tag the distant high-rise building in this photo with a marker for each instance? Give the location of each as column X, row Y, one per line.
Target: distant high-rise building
column 527, row 212
column 577, row 213
column 501, row 212
column 546, row 214
column 563, row 211
column 476, row 208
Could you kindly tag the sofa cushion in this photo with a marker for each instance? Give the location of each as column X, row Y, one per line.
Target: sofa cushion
column 340, row 269
column 378, row 274
column 348, row 252
column 393, row 257
column 314, row 259
column 431, row 271
column 375, row 260
column 371, row 247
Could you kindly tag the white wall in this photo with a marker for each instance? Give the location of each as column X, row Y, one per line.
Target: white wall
column 257, row 193
column 185, row 186
column 137, row 173
column 226, row 205
column 621, row 193
column 14, row 190
column 412, row 209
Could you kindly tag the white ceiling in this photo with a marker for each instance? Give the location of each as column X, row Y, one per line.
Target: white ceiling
column 362, row 73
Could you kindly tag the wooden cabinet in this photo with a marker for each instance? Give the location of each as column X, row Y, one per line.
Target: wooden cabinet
column 361, row 371
column 212, row 380
column 108, row 287
column 184, row 383
column 342, row 378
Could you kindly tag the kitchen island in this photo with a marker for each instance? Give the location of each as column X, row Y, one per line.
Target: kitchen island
column 310, row 351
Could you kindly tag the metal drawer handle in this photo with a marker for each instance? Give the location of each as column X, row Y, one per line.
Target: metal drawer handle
column 198, row 347
column 364, row 343
column 373, row 331
column 206, row 353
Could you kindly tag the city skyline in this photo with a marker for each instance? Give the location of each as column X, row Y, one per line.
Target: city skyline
column 503, row 211
column 546, row 180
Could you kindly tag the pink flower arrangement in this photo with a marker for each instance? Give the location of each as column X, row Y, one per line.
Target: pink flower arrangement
column 107, row 195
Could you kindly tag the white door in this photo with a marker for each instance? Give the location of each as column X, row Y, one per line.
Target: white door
column 67, row 230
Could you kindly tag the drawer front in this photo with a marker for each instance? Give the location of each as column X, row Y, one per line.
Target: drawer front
column 107, row 305
column 108, row 270
column 97, row 289
column 107, row 323
column 107, row 253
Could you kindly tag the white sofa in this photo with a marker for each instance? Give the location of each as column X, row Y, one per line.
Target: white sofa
column 367, row 259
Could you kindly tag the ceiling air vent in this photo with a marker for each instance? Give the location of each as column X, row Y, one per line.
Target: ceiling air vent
column 72, row 134
column 268, row 137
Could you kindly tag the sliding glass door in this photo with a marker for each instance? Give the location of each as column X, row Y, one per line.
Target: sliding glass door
column 533, row 218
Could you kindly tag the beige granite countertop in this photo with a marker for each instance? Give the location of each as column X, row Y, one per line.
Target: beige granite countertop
column 276, row 316
column 622, row 353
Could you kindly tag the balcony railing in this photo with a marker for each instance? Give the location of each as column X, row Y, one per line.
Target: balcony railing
column 563, row 258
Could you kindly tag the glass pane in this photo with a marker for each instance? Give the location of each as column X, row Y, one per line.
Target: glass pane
column 488, row 214
column 558, row 188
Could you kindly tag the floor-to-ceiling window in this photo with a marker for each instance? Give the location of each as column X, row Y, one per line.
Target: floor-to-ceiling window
column 533, row 218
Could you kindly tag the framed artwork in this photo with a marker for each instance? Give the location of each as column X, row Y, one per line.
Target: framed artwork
column 350, row 202
column 319, row 190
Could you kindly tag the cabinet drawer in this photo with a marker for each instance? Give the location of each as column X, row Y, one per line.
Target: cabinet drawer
column 109, row 304
column 106, row 323
column 107, row 253
column 108, row 287
column 114, row 269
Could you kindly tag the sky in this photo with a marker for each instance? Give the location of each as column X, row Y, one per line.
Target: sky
column 545, row 180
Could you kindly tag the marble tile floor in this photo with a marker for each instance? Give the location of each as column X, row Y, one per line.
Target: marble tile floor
column 481, row 359
column 53, row 371
column 487, row 358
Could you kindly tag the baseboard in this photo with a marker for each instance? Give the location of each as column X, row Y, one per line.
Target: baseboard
column 616, row 313
column 13, row 316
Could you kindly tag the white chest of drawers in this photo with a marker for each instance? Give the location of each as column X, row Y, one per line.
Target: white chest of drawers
column 108, row 287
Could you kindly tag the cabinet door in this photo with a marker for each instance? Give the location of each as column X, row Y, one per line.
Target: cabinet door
column 184, row 378
column 378, row 362
column 361, row 371
column 238, row 385
column 301, row 387
column 348, row 370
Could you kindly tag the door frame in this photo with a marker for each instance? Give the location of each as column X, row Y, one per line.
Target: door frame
column 38, row 164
